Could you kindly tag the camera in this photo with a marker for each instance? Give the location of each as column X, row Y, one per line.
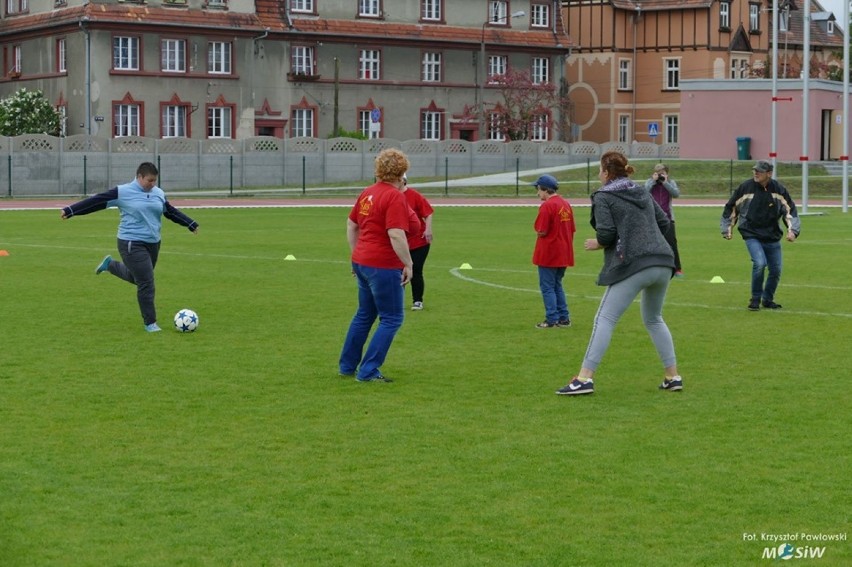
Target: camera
column 661, row 178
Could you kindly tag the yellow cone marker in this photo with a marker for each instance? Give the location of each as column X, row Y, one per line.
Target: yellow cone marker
column 290, row 257
column 717, row 279
column 465, row 266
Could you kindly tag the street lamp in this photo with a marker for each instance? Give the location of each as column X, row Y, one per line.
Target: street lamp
column 483, row 69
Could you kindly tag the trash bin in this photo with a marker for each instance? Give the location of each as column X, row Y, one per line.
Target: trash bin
column 743, row 147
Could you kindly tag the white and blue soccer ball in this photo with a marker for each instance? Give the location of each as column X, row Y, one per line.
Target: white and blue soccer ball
column 186, row 320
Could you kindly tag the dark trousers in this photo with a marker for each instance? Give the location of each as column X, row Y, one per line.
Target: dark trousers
column 139, row 260
column 418, row 258
column 671, row 238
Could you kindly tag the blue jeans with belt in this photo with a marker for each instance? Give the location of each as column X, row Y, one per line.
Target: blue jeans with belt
column 380, row 294
column 764, row 255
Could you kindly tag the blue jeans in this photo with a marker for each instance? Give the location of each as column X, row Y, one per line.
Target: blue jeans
column 764, row 255
column 380, row 294
column 550, row 283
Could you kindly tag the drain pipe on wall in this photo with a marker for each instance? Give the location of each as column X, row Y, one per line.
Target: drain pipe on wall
column 83, row 21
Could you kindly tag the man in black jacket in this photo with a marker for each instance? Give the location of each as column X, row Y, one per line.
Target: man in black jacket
column 756, row 207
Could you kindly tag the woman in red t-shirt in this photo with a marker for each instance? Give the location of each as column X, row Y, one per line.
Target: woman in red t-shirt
column 418, row 242
column 377, row 231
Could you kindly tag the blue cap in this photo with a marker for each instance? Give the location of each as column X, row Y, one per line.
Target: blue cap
column 547, row 182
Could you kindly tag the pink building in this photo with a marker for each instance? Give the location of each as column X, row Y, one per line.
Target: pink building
column 714, row 113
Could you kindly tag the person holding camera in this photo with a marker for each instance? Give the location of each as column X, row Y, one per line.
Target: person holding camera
column 663, row 189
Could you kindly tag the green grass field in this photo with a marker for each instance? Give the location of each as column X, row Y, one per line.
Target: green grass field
column 240, row 445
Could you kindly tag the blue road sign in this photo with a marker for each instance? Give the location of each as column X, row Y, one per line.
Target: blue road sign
column 653, row 130
column 375, row 115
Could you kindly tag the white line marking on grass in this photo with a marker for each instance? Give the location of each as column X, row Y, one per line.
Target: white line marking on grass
column 457, row 273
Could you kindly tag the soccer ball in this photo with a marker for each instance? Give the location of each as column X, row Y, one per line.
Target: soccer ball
column 186, row 320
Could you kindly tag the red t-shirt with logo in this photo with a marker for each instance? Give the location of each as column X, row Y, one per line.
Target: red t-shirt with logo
column 556, row 248
column 422, row 209
column 380, row 207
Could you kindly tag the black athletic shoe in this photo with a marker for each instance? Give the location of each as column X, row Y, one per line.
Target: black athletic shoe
column 754, row 305
column 770, row 305
column 673, row 384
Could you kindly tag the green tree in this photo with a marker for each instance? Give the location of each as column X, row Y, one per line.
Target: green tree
column 28, row 112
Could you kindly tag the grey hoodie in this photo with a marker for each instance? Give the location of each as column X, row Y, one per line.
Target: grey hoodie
column 630, row 226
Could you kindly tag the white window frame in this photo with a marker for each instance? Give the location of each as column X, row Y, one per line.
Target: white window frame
column 753, row 17
column 497, row 67
column 739, row 67
column 364, row 121
column 725, row 15
column 431, row 67
column 63, row 120
column 625, row 78
column 302, row 123
column 671, row 129
column 539, row 130
column 126, row 120
column 671, row 74
column 174, row 121
column 540, row 71
column 173, row 55
column 302, row 6
column 370, row 65
column 125, row 53
column 540, row 15
column 302, row 60
column 219, row 120
column 17, row 6
column 495, row 130
column 61, row 55
column 784, row 20
column 624, row 128
column 829, row 27
column 498, row 12
column 369, row 8
column 219, row 57
column 430, row 10
column 17, row 57
column 430, row 125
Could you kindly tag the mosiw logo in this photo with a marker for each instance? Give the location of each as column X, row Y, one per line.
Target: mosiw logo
column 786, row 551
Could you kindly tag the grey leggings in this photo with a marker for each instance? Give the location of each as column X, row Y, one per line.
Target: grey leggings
column 139, row 260
column 652, row 283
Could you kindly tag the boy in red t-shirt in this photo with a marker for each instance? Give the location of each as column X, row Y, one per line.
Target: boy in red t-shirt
column 554, row 250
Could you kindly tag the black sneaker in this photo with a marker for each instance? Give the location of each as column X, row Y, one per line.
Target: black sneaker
column 754, row 305
column 576, row 387
column 546, row 325
column 673, row 384
column 564, row 323
column 771, row 305
column 376, row 378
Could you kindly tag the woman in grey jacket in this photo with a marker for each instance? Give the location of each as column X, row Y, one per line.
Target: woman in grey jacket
column 629, row 228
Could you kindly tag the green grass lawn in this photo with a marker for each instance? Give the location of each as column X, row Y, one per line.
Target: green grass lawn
column 240, row 445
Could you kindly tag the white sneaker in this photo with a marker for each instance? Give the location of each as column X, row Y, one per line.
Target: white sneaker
column 418, row 306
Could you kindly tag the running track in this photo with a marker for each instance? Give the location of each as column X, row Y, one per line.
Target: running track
column 250, row 202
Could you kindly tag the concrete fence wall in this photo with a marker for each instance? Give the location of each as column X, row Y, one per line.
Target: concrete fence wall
column 38, row 165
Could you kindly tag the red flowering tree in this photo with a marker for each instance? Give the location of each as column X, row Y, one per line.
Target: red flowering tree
column 528, row 109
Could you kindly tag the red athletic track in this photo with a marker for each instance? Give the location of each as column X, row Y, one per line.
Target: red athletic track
column 250, row 202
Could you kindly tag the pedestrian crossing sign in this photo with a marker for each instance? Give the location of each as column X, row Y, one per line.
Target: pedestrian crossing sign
column 653, row 130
